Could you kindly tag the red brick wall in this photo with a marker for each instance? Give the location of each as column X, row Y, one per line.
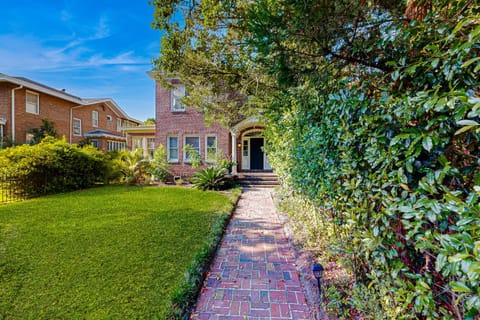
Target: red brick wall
column 189, row 122
column 52, row 108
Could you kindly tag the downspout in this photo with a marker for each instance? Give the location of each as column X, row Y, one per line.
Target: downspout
column 70, row 129
column 13, row 113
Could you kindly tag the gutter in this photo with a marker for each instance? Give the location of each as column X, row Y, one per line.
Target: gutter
column 13, row 113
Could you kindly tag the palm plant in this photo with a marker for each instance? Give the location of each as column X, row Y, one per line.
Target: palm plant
column 211, row 178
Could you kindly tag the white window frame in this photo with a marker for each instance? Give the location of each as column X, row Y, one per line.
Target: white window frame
column 136, row 143
column 207, row 159
column 175, row 97
column 169, row 156
column 95, row 119
column 115, row 145
column 119, row 124
column 28, row 106
column 185, row 159
column 151, row 147
column 79, row 133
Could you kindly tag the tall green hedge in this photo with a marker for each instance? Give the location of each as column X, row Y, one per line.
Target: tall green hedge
column 54, row 166
column 394, row 175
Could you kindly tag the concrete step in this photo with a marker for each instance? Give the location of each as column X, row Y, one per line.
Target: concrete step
column 257, row 179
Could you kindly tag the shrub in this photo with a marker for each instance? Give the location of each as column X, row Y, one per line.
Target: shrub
column 47, row 129
column 211, row 178
column 55, row 166
column 159, row 167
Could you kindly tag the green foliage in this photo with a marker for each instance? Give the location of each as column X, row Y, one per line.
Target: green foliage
column 55, row 166
column 150, row 121
column 134, row 167
column 109, row 252
column 194, row 157
column 385, row 164
column 47, row 129
column 159, row 166
column 211, row 178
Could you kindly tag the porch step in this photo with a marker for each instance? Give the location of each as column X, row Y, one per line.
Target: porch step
column 257, row 179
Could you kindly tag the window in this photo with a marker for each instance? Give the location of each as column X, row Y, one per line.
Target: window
column 115, row 145
column 177, row 94
column 211, row 148
column 77, row 127
column 109, row 122
column 137, row 143
column 119, row 125
column 95, row 119
column 151, row 147
column 32, row 103
column 172, row 151
column 94, row 143
column 245, row 148
column 194, row 144
column 29, row 138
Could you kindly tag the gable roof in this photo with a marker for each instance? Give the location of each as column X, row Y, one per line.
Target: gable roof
column 27, row 83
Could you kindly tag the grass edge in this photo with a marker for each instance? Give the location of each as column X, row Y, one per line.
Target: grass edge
column 185, row 295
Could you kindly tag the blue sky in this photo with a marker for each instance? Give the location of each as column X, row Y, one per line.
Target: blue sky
column 91, row 48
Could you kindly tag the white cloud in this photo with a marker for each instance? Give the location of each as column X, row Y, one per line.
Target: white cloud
column 21, row 52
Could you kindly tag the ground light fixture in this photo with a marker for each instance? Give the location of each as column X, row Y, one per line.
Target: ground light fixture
column 317, row 270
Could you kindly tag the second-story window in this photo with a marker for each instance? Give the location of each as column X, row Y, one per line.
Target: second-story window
column 119, row 125
column 77, row 127
column 177, row 94
column 32, row 103
column 95, row 119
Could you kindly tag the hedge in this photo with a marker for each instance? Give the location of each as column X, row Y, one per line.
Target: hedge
column 393, row 177
column 54, row 166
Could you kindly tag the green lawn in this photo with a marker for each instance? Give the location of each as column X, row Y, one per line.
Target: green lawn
column 111, row 252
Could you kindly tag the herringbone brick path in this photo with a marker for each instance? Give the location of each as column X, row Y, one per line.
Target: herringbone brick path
column 253, row 275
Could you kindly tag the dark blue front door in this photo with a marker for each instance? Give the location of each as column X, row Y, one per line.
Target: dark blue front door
column 256, row 154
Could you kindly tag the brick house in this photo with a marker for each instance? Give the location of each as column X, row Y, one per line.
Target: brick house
column 177, row 126
column 24, row 103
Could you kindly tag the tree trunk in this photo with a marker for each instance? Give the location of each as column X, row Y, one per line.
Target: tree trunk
column 417, row 9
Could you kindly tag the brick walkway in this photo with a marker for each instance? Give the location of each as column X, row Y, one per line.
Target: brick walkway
column 253, row 275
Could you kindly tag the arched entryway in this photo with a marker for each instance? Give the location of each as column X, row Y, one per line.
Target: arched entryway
column 248, row 146
column 252, row 147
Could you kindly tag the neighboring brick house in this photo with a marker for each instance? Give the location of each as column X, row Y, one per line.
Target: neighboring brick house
column 177, row 126
column 24, row 103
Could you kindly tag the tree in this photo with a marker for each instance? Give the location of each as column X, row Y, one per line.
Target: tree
column 207, row 51
column 46, row 129
column 372, row 110
column 150, row 121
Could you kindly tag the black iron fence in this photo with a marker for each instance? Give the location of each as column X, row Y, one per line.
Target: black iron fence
column 14, row 188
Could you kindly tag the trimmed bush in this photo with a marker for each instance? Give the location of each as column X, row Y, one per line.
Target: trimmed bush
column 54, row 166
